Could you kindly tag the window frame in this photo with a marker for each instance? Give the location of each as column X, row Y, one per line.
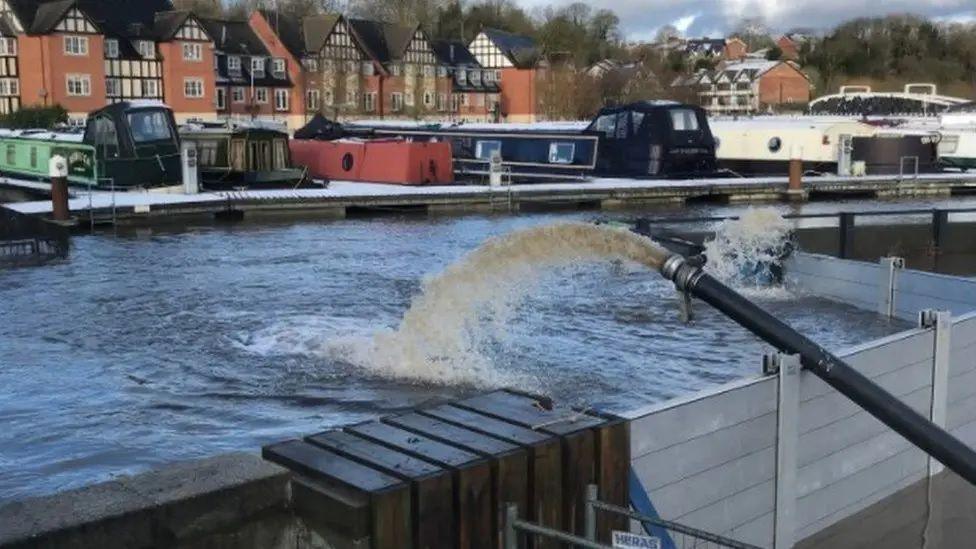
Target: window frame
column 83, row 81
column 261, row 96
column 195, row 51
column 234, row 64
column 193, row 82
column 81, row 42
column 282, row 106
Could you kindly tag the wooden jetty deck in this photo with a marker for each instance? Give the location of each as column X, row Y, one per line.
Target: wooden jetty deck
column 343, row 198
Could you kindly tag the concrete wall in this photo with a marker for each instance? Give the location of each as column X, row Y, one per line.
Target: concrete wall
column 774, row 460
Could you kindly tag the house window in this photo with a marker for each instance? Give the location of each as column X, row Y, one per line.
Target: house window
column 281, row 99
column 408, row 97
column 234, row 63
column 311, row 64
column 561, row 153
column 237, row 95
column 9, row 87
column 193, row 88
column 312, row 100
column 328, row 97
column 278, row 67
column 396, row 101
column 462, row 76
column 442, row 71
column 395, row 69
column 113, row 87
column 111, row 48
column 76, row 45
column 150, row 88
column 428, row 99
column 370, row 98
column 352, row 66
column 352, row 97
column 261, row 95
column 442, row 102
column 257, row 67
column 79, row 85
column 429, row 71
column 221, row 99
column 368, row 69
column 192, row 52
column 498, row 76
column 146, row 48
column 8, row 46
column 484, row 150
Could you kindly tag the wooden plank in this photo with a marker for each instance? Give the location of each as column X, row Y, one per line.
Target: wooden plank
column 545, row 460
column 389, row 497
column 578, row 442
column 432, row 487
column 612, row 466
column 472, row 477
column 510, row 462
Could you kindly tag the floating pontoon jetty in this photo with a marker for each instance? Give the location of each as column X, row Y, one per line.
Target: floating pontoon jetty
column 341, row 198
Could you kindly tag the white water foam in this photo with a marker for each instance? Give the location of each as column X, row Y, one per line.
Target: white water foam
column 743, row 250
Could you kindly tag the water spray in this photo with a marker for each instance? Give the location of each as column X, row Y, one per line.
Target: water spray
column 888, row 409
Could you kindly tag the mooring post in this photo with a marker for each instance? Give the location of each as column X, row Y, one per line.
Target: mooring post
column 940, row 226
column 58, row 170
column 787, row 439
column 845, row 235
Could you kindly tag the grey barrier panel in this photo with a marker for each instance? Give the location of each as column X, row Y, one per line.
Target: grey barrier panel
column 961, row 410
column 709, row 461
column 919, row 290
column 852, row 282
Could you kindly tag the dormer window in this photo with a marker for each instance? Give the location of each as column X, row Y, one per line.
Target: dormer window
column 278, row 67
column 475, row 77
column 462, row 76
column 395, row 69
column 442, row 71
column 234, row 64
column 257, row 66
column 111, row 48
column 311, row 64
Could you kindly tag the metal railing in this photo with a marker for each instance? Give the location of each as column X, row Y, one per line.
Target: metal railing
column 675, row 535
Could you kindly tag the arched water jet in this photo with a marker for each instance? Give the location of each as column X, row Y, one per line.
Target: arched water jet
column 439, row 336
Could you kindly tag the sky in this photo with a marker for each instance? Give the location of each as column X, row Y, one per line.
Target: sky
column 640, row 19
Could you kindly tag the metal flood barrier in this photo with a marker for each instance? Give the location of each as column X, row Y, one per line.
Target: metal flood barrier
column 514, row 528
column 779, row 458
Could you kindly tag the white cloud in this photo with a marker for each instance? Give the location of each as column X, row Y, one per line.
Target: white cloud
column 684, row 23
column 640, row 18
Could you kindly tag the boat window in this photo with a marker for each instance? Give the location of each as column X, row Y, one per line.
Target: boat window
column 637, row 118
column 562, row 153
column 11, row 155
column 207, row 152
column 33, row 157
column 623, row 125
column 484, row 150
column 684, row 120
column 149, row 126
column 237, row 155
column 775, row 144
column 607, row 124
column 280, row 156
column 105, row 136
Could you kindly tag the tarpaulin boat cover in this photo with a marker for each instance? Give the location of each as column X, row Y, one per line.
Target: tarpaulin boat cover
column 321, row 128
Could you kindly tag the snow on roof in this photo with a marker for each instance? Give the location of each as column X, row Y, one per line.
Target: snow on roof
column 44, row 135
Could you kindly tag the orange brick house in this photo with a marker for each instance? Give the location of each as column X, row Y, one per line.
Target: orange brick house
column 789, row 47
column 85, row 54
column 516, row 63
column 250, row 82
column 751, row 85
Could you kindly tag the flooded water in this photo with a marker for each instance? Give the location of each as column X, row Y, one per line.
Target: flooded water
column 152, row 347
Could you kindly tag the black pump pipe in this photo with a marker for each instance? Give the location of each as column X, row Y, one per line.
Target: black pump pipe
column 891, row 411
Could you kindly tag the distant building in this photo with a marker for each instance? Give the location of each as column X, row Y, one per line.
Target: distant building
column 728, row 49
column 515, row 62
column 472, row 91
column 84, row 54
column 789, row 47
column 250, row 82
column 749, row 86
